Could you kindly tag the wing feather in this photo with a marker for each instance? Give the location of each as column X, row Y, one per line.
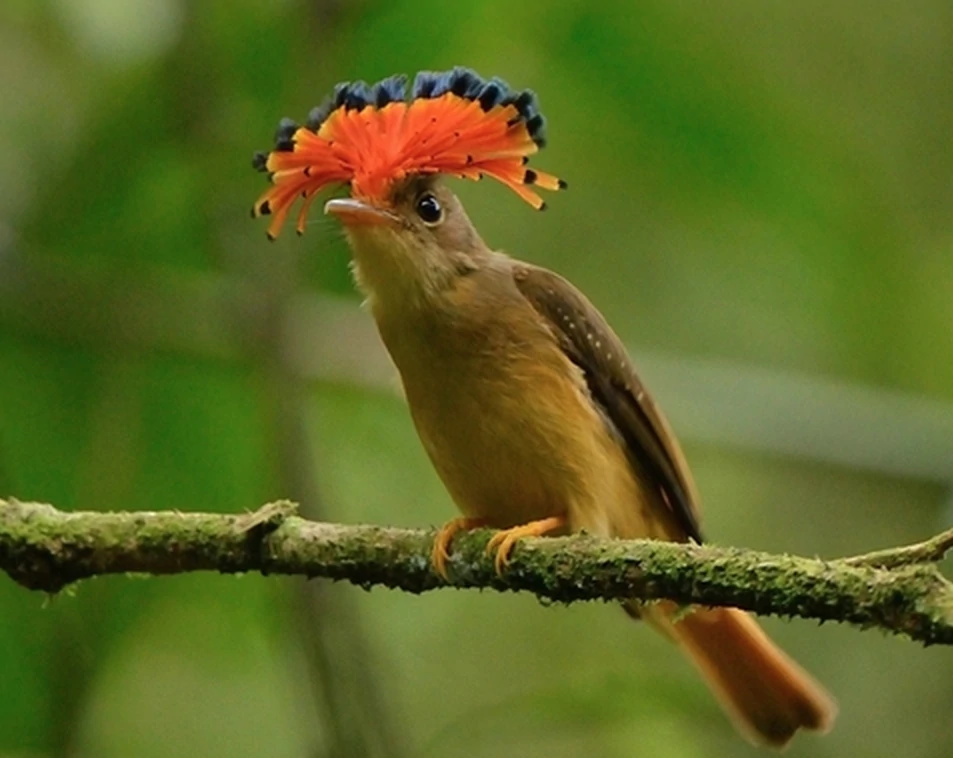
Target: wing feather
column 591, row 344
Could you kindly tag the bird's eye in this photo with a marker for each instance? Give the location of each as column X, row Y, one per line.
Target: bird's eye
column 429, row 209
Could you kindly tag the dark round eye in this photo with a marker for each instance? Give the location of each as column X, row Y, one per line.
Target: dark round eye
column 429, row 209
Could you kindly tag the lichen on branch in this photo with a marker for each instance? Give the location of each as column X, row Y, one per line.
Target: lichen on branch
column 900, row 591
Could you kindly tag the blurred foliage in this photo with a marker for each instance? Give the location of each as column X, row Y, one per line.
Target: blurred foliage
column 762, row 183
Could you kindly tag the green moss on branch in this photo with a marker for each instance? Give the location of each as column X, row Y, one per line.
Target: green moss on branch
column 900, row 590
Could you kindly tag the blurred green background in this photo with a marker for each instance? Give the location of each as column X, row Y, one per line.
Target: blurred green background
column 760, row 202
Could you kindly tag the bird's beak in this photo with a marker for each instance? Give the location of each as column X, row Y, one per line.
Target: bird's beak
column 356, row 213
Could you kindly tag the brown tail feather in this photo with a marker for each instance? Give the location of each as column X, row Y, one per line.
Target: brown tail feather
column 767, row 695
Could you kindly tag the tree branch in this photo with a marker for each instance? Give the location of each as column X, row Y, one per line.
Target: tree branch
column 900, row 591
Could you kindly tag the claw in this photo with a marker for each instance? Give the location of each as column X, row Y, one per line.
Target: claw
column 441, row 542
column 503, row 542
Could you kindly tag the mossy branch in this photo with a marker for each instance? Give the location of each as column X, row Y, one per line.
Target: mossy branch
column 900, row 591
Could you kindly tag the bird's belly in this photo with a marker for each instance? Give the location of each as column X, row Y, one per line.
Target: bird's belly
column 496, row 465
column 500, row 472
column 527, row 448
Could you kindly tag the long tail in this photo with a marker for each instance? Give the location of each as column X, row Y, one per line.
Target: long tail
column 767, row 695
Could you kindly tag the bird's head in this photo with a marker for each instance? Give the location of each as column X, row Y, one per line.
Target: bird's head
column 391, row 150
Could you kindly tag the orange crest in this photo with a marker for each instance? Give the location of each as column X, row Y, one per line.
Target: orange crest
column 369, row 137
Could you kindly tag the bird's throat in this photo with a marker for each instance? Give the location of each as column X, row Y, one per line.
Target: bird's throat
column 399, row 282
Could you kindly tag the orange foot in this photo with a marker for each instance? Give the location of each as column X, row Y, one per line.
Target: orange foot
column 440, row 554
column 504, row 541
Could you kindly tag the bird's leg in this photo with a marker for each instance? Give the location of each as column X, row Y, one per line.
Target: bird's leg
column 504, row 541
column 440, row 553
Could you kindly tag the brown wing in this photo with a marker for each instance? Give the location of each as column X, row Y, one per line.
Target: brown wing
column 591, row 344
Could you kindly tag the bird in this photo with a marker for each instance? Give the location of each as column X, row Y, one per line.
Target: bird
column 524, row 398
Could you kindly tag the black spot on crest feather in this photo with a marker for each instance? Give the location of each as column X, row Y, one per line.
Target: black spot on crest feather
column 494, row 92
column 489, row 96
column 357, row 96
column 424, row 83
column 340, row 94
column 536, row 126
column 465, row 82
column 389, row 90
column 319, row 114
column 430, row 84
column 525, row 103
column 284, row 135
